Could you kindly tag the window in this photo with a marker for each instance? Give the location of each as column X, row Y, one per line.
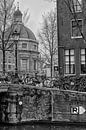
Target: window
column 76, row 5
column 5, row 66
column 69, row 61
column 34, row 64
column 35, row 47
column 76, row 28
column 83, row 61
column 9, row 67
column 24, row 45
column 24, row 64
column 0, row 45
column 9, row 59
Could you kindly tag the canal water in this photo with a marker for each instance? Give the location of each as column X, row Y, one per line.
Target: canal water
column 43, row 127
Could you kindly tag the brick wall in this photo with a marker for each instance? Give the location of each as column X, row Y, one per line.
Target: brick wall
column 65, row 40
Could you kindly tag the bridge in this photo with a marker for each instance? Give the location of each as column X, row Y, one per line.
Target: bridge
column 28, row 103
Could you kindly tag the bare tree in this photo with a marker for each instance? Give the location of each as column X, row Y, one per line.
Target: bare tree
column 7, row 26
column 26, row 16
column 47, row 38
column 6, row 12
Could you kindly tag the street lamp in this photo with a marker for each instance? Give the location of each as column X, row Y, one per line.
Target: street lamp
column 20, row 109
column 19, row 106
column 16, row 37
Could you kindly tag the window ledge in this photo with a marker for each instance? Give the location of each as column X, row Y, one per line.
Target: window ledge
column 82, row 74
column 69, row 74
column 76, row 37
column 77, row 11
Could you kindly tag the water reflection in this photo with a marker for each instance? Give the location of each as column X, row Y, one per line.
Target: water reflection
column 42, row 127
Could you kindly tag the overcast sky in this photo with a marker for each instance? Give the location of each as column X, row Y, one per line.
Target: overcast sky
column 36, row 9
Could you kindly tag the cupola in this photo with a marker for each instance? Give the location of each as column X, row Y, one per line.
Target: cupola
column 17, row 14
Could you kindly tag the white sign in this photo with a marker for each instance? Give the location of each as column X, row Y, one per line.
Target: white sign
column 81, row 110
column 77, row 110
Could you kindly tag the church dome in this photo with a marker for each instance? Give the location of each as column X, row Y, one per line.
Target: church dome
column 20, row 28
column 23, row 31
column 26, row 33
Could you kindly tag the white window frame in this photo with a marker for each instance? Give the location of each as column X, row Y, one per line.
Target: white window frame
column 75, row 10
column 81, row 62
column 66, row 74
column 74, row 37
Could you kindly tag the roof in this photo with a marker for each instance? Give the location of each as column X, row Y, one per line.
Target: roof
column 17, row 13
column 20, row 27
column 26, row 33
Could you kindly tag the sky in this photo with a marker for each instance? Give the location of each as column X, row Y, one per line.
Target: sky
column 37, row 8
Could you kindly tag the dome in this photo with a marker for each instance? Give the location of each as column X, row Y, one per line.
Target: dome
column 17, row 15
column 26, row 33
column 19, row 27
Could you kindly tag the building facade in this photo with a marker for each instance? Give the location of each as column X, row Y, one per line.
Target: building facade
column 71, row 23
column 27, row 48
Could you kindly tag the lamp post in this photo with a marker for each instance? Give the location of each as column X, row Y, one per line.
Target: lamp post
column 16, row 37
column 20, row 109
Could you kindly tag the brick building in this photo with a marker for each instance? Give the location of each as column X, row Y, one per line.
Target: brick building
column 71, row 36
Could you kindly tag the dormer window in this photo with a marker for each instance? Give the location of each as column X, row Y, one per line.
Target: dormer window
column 24, row 45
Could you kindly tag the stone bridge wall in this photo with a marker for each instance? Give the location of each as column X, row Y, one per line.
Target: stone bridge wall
column 36, row 104
column 69, row 106
column 26, row 103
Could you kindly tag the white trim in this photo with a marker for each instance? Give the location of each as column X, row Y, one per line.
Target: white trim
column 72, row 37
column 80, row 5
column 69, row 74
column 77, row 11
column 80, row 62
column 29, row 40
column 74, row 61
column 82, row 74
